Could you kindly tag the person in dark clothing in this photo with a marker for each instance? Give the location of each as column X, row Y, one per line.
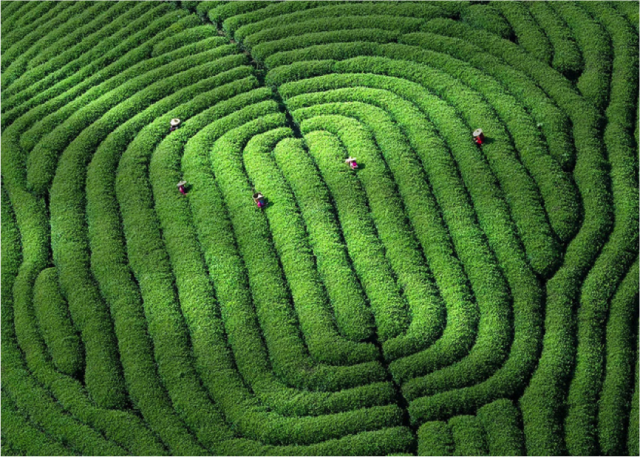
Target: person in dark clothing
column 174, row 124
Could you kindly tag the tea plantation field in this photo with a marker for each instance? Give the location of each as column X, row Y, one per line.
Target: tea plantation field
column 444, row 298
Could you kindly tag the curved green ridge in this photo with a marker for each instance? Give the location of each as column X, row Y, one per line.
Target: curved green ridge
column 443, row 298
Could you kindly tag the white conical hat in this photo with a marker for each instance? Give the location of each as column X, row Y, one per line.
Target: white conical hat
column 175, row 122
column 182, row 183
column 478, row 132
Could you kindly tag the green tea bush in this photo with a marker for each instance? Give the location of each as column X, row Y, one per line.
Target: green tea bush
column 487, row 17
column 262, row 51
column 443, row 352
column 115, row 279
column 29, row 13
column 29, row 18
column 122, row 427
column 34, row 96
column 522, row 197
column 420, row 208
column 303, row 431
column 558, row 194
column 566, row 55
column 373, row 269
column 328, row 24
column 10, row 12
column 526, row 295
column 71, row 29
column 596, row 49
column 468, row 436
column 288, row 12
column 290, row 240
column 17, row 429
column 189, row 36
column 353, row 317
column 547, row 389
column 502, row 425
column 248, row 348
column 30, row 212
column 70, row 101
column 485, row 296
column 55, row 325
column 621, row 248
column 68, row 225
column 528, row 327
column 150, row 264
column 270, row 295
column 14, row 64
column 401, row 248
column 541, row 246
column 632, row 440
column 43, row 157
column 629, row 10
column 553, row 122
column 425, row 324
column 59, row 42
column 527, row 32
column 616, row 395
column 23, row 436
column 435, row 438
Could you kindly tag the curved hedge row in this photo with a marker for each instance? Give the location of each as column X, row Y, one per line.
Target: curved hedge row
column 566, row 55
column 527, row 323
column 401, row 248
column 119, row 288
column 483, row 295
column 55, row 325
column 244, row 338
column 324, row 343
column 57, row 69
column 353, row 317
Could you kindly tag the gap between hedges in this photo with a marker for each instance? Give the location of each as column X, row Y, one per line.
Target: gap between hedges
column 401, row 401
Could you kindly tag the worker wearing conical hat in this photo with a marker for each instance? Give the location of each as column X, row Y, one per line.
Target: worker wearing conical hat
column 478, row 136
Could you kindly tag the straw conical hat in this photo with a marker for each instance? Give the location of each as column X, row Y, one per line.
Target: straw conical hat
column 175, row 122
column 478, row 132
column 182, row 183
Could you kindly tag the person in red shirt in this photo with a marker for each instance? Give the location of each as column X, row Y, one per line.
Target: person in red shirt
column 478, row 137
column 351, row 161
column 182, row 188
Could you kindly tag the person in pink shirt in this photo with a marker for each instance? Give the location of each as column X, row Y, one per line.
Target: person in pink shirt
column 259, row 199
column 351, row 161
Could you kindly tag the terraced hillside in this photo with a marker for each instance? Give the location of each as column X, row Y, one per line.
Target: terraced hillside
column 444, row 298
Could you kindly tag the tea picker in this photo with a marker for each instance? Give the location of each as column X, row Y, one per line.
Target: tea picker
column 258, row 198
column 181, row 187
column 478, row 137
column 174, row 124
column 351, row 161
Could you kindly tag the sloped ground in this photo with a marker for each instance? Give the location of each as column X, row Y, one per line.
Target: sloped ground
column 442, row 299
